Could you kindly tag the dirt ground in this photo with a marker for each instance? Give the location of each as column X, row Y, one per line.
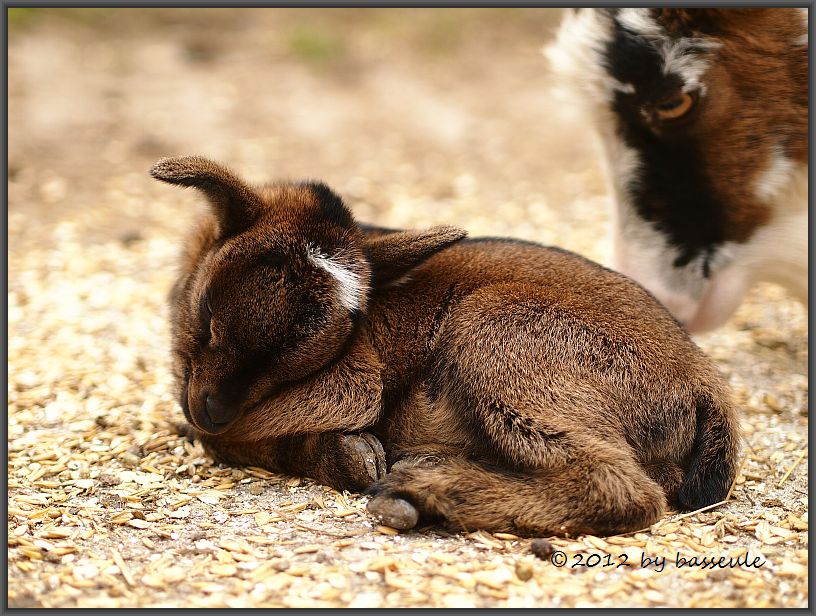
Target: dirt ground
column 417, row 117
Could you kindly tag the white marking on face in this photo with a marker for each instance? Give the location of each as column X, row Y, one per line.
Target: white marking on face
column 577, row 53
column 575, row 57
column 350, row 287
column 776, row 177
column 639, row 21
column 682, row 57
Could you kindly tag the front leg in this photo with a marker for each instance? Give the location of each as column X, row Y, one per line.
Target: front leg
column 344, row 461
column 312, row 427
column 343, row 397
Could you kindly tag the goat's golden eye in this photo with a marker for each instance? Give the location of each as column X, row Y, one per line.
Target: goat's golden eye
column 675, row 107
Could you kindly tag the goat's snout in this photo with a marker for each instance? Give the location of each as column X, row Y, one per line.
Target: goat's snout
column 214, row 414
column 217, row 411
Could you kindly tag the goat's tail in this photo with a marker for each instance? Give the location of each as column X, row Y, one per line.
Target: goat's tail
column 714, row 455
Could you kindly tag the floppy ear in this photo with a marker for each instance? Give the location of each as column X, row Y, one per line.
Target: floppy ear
column 393, row 255
column 234, row 204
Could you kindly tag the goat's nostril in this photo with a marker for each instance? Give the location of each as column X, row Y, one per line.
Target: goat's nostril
column 217, row 411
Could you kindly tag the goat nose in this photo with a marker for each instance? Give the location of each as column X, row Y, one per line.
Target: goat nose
column 217, row 411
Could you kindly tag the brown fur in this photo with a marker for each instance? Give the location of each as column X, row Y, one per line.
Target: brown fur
column 520, row 388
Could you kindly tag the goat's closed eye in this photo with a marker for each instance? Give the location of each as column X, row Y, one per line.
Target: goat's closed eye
column 273, row 259
column 674, row 107
column 205, row 316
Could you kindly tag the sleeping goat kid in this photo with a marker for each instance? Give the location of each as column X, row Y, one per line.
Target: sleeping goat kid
column 514, row 387
column 703, row 117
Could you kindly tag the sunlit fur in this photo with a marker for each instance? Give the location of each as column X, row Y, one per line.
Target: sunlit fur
column 513, row 387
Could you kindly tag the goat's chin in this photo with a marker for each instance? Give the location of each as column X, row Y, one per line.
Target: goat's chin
column 203, row 424
column 723, row 295
column 708, row 307
column 682, row 298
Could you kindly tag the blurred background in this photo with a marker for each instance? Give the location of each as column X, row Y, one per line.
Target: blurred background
column 416, row 116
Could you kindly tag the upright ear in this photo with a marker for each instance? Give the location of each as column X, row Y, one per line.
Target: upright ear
column 393, row 255
column 233, row 202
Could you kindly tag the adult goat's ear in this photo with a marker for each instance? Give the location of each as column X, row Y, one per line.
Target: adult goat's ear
column 392, row 255
column 233, row 202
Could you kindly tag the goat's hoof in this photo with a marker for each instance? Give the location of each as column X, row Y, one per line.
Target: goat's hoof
column 380, row 467
column 394, row 512
column 368, row 457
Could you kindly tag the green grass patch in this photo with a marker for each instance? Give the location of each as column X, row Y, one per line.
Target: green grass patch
column 314, row 45
column 26, row 16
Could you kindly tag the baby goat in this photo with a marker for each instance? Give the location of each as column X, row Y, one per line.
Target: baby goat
column 703, row 116
column 520, row 388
